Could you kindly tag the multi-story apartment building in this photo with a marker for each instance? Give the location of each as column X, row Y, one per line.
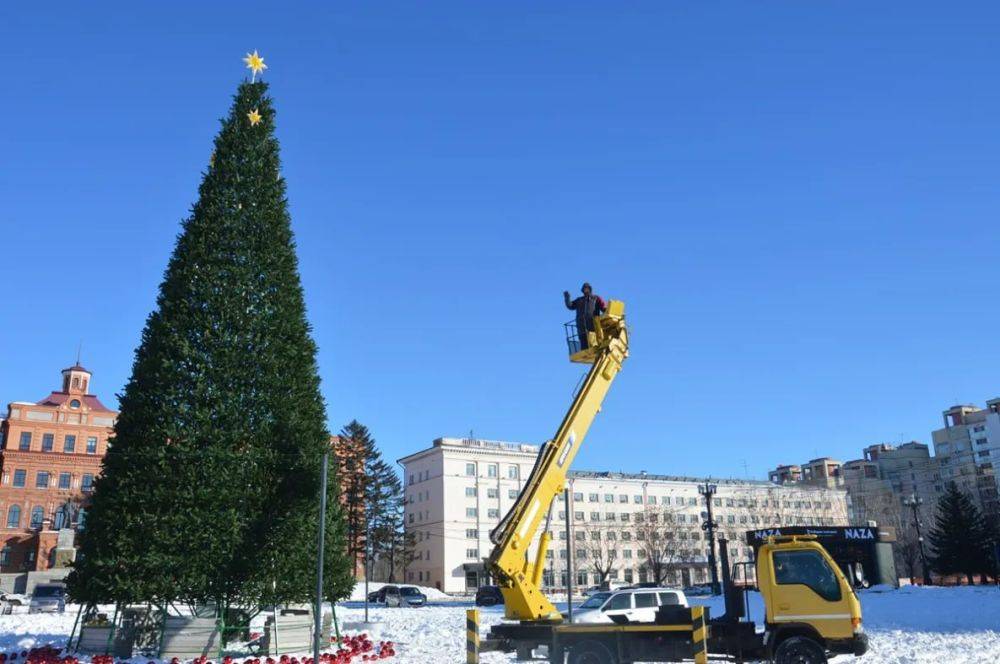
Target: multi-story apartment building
column 968, row 447
column 623, row 524
column 51, row 453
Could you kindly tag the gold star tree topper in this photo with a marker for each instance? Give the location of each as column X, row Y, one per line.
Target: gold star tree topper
column 255, row 63
column 254, row 117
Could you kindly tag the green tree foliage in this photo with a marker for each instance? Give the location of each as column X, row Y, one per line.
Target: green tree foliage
column 961, row 537
column 355, row 447
column 209, row 490
column 374, row 505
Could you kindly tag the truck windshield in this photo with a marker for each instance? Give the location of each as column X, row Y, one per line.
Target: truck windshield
column 809, row 569
column 595, row 601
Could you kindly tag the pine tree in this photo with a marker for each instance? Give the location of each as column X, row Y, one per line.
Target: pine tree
column 960, row 537
column 356, row 448
column 209, row 489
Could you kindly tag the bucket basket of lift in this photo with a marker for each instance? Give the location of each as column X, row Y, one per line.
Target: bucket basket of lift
column 573, row 341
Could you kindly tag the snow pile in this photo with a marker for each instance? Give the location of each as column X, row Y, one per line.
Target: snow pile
column 358, row 594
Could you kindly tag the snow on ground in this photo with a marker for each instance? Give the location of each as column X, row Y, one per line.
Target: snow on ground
column 906, row 626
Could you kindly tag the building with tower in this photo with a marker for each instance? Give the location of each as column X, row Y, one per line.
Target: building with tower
column 50, row 453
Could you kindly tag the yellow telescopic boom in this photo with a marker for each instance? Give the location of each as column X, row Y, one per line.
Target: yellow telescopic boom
column 518, row 576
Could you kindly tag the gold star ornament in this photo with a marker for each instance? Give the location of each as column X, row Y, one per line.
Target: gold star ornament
column 255, row 64
column 254, row 117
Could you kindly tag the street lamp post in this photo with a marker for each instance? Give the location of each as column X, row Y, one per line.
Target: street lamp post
column 709, row 525
column 914, row 503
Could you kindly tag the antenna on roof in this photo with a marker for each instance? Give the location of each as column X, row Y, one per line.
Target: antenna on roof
column 79, row 348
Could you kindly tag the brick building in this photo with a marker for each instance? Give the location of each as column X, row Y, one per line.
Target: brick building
column 51, row 453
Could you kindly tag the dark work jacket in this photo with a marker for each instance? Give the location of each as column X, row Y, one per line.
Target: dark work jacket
column 586, row 307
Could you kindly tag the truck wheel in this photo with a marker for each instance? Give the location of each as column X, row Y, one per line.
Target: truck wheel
column 799, row 650
column 591, row 652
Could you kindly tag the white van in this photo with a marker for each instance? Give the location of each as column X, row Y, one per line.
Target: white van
column 638, row 605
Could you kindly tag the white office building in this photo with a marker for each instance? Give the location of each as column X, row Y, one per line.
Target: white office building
column 628, row 527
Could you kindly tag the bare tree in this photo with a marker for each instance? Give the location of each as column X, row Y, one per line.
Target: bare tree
column 668, row 541
column 602, row 545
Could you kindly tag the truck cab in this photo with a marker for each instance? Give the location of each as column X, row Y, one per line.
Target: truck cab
column 810, row 607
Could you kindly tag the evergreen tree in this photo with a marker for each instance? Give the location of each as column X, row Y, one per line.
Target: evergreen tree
column 960, row 537
column 356, row 447
column 209, row 488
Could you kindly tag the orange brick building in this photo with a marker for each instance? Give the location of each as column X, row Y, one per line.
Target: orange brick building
column 51, row 453
column 350, row 474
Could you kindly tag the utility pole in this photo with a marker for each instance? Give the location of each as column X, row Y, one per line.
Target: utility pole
column 320, row 546
column 914, row 503
column 569, row 553
column 709, row 525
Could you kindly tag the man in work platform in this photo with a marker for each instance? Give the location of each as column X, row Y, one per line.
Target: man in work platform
column 586, row 306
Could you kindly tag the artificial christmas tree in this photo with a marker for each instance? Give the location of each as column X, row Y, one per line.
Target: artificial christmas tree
column 209, row 491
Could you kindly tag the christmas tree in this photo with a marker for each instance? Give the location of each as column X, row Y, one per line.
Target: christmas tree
column 209, row 490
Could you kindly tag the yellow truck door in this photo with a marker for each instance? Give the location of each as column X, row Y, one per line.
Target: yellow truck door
column 807, row 587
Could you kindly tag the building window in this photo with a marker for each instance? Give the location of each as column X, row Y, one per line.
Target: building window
column 492, row 492
column 36, row 517
column 20, row 477
column 622, row 498
column 75, row 403
column 25, row 441
column 471, row 512
column 87, row 482
column 513, row 472
column 470, row 491
column 42, row 479
column 981, row 441
column 64, row 480
column 625, row 516
column 593, row 498
column 5, row 555
column 512, row 493
column 577, row 496
column 578, row 516
column 491, row 470
column 595, row 516
column 472, row 553
column 14, row 516
column 471, row 533
column 91, row 444
column 637, row 500
column 48, row 442
column 61, row 520
column 493, row 513
column 651, row 500
column 470, row 469
column 69, row 444
column 609, row 497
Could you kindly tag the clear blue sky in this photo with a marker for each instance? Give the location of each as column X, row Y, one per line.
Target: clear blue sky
column 797, row 200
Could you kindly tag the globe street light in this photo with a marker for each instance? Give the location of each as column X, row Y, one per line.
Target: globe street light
column 914, row 503
column 709, row 525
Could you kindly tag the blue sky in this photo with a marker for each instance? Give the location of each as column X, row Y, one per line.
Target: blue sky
column 797, row 201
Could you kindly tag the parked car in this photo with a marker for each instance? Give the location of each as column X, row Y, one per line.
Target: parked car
column 48, row 598
column 391, row 595
column 488, row 596
column 411, row 596
column 627, row 606
column 14, row 599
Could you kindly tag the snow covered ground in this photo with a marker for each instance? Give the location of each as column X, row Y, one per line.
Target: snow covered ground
column 913, row 624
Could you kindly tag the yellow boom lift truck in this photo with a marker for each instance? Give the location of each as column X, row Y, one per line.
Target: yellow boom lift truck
column 810, row 610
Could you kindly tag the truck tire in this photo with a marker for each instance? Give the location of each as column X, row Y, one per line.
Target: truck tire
column 799, row 650
column 591, row 652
